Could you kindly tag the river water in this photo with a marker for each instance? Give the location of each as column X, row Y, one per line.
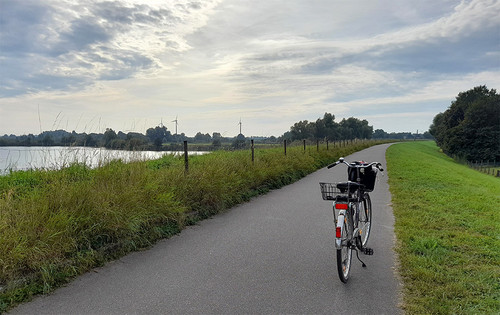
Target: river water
column 24, row 158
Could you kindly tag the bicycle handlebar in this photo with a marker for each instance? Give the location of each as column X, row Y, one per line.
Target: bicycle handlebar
column 342, row 161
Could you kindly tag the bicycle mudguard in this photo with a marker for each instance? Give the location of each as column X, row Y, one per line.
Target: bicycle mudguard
column 339, row 229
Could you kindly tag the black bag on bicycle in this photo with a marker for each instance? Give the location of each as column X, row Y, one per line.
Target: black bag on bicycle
column 367, row 176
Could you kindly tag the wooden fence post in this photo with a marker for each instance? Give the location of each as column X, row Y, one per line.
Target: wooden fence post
column 317, row 145
column 284, row 144
column 326, row 144
column 253, row 154
column 304, row 145
column 186, row 159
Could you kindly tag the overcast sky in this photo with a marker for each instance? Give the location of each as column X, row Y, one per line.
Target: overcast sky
column 129, row 65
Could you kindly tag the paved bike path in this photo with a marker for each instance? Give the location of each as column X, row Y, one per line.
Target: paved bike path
column 272, row 255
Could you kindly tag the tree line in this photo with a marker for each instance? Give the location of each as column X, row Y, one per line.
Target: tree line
column 155, row 138
column 327, row 128
column 160, row 138
column 470, row 128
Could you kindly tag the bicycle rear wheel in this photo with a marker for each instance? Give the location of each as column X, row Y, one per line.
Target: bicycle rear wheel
column 365, row 219
column 344, row 254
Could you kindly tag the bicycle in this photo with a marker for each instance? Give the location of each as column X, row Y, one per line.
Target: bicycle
column 354, row 218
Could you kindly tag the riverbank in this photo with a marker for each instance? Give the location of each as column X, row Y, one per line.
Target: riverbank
column 53, row 158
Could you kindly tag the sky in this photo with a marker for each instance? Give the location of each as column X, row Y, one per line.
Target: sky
column 130, row 65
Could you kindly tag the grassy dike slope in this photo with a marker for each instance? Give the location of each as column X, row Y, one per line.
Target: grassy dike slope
column 55, row 225
column 448, row 231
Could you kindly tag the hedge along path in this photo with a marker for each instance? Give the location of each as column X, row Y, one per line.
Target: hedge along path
column 55, row 225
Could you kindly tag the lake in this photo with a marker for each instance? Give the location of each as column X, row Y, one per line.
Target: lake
column 24, row 158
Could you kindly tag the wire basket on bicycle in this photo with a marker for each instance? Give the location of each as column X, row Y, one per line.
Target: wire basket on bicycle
column 330, row 191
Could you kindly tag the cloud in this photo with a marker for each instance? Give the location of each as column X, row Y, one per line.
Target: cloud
column 45, row 44
column 467, row 22
column 325, row 71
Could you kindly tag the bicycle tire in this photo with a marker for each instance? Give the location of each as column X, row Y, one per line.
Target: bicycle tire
column 344, row 255
column 365, row 219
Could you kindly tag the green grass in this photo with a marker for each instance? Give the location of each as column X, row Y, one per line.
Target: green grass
column 448, row 230
column 55, row 225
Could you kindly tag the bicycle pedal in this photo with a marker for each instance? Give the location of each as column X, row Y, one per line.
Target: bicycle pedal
column 368, row 251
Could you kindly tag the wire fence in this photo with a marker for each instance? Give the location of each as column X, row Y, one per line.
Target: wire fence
column 487, row 167
column 306, row 144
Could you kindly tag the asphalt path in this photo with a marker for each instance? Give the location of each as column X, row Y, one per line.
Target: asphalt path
column 272, row 255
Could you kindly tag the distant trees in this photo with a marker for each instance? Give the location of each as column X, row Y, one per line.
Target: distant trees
column 89, row 141
column 202, row 138
column 109, row 137
column 327, row 128
column 239, row 142
column 302, row 130
column 353, row 128
column 470, row 127
column 158, row 135
column 217, row 140
column 381, row 134
column 47, row 140
column 156, row 138
column 160, row 138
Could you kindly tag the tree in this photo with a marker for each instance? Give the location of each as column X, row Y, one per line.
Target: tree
column 239, row 142
column 216, row 143
column 68, row 140
column 202, row 138
column 47, row 140
column 327, row 128
column 427, row 135
column 89, row 141
column 302, row 130
column 109, row 136
column 158, row 135
column 379, row 134
column 332, row 128
column 353, row 128
column 470, row 127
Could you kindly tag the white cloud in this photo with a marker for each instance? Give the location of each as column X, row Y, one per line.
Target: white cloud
column 468, row 18
column 77, row 43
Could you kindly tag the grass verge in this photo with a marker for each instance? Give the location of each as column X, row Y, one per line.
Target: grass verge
column 55, row 225
column 447, row 226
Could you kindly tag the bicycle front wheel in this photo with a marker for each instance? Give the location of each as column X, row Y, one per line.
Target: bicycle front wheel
column 344, row 254
column 365, row 219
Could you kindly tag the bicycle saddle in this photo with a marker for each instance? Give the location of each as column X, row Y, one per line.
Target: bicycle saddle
column 352, row 186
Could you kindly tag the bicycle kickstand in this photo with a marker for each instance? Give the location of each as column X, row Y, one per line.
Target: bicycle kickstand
column 357, row 255
column 366, row 251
